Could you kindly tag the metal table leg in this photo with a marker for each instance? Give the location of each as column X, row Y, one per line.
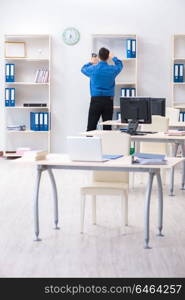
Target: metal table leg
column 147, row 210
column 160, row 204
column 55, row 197
column 172, row 173
column 36, row 203
column 183, row 172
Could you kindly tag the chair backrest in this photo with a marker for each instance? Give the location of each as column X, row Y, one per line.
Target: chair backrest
column 113, row 142
column 172, row 114
column 159, row 124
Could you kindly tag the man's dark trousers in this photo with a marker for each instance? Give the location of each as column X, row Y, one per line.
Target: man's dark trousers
column 100, row 106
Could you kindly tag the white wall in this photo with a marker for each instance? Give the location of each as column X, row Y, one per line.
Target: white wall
column 153, row 22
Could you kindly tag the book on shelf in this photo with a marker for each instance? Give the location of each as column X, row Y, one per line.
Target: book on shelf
column 178, row 75
column 35, row 104
column 9, row 72
column 16, row 127
column 42, row 76
column 39, row 121
column 9, row 96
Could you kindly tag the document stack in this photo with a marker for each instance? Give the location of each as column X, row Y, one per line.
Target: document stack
column 149, row 159
column 35, row 155
column 42, row 76
column 39, row 121
column 178, row 73
column 10, row 72
column 128, row 92
column 16, row 127
column 131, row 48
column 9, row 96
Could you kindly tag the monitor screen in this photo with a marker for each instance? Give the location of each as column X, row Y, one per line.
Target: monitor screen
column 158, row 106
column 135, row 109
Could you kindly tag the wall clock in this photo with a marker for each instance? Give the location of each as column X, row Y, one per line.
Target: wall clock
column 71, row 36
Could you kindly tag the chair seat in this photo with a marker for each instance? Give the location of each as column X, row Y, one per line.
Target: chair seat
column 104, row 188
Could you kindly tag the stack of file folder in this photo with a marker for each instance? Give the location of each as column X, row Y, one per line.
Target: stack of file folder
column 128, row 92
column 131, row 48
column 9, row 96
column 42, row 76
column 39, row 121
column 178, row 73
column 9, row 72
column 149, row 159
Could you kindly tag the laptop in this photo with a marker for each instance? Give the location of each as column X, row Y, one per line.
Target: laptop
column 87, row 149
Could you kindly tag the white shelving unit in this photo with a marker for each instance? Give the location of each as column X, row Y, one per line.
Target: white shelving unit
column 116, row 43
column 38, row 56
column 178, row 56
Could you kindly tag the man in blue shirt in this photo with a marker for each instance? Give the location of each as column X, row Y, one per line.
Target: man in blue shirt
column 102, row 87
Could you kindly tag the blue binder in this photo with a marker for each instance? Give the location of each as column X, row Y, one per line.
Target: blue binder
column 41, row 121
column 10, row 72
column 7, row 96
column 12, row 97
column 132, row 92
column 176, row 72
column 46, row 121
column 181, row 73
column 129, row 48
column 34, row 121
column 133, row 48
column 123, row 92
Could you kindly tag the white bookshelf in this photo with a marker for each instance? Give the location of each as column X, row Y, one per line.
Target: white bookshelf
column 116, row 43
column 38, row 56
column 178, row 56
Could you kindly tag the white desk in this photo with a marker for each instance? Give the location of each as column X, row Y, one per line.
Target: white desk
column 117, row 124
column 159, row 137
column 121, row 164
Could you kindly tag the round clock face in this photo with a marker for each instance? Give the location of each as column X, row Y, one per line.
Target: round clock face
column 71, row 36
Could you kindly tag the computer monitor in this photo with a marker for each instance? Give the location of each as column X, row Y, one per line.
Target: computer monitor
column 135, row 110
column 158, row 106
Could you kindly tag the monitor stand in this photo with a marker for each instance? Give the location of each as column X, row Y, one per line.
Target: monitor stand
column 132, row 127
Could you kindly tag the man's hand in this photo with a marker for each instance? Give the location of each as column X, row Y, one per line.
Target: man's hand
column 94, row 60
column 111, row 55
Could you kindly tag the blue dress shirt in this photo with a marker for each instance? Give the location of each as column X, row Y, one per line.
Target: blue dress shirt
column 102, row 77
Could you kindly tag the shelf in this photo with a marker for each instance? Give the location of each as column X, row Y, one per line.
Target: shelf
column 121, row 36
column 26, row 36
column 27, row 131
column 125, row 83
column 116, row 107
column 178, row 83
column 27, row 83
column 180, row 58
column 179, row 105
column 26, row 59
column 26, row 107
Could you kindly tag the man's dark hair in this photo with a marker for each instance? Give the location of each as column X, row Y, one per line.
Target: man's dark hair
column 103, row 54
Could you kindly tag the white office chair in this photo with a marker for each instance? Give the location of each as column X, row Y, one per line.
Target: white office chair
column 109, row 183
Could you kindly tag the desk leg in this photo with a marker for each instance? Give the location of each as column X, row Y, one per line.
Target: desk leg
column 172, row 173
column 147, row 210
column 183, row 172
column 55, row 197
column 36, row 203
column 160, row 204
